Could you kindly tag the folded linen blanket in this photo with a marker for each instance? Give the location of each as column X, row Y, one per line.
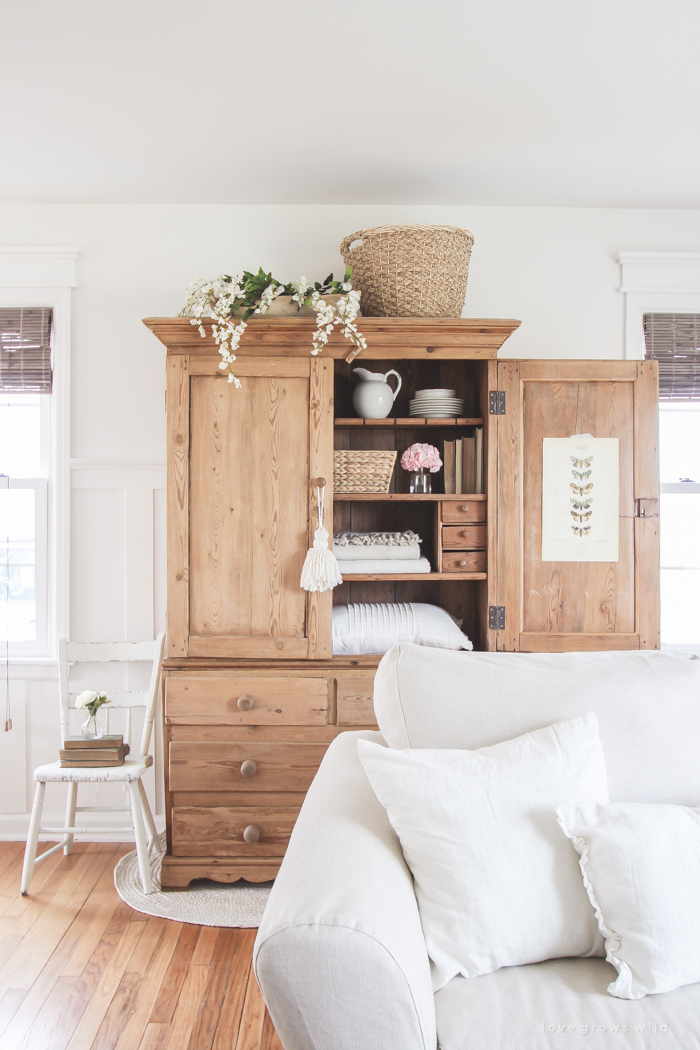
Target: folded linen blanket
column 375, row 539
column 378, row 553
column 375, row 546
column 386, row 565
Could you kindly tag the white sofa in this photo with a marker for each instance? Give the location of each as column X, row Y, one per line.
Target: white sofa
column 340, row 955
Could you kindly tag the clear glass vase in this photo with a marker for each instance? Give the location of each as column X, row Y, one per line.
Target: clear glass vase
column 93, row 725
column 420, row 482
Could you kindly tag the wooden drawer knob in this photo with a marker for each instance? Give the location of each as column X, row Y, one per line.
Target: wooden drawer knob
column 245, row 703
column 464, row 507
column 464, row 562
column 465, row 532
column 251, row 834
column 249, row 768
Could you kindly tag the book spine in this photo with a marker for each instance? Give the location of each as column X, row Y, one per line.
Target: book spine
column 458, row 465
column 449, row 466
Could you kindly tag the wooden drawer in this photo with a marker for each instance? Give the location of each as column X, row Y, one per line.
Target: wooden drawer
column 210, row 766
column 464, row 561
column 243, row 700
column 471, row 510
column 355, row 702
column 464, row 537
column 217, row 831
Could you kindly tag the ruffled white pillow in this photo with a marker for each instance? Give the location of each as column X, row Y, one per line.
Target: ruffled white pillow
column 375, row 628
column 641, row 867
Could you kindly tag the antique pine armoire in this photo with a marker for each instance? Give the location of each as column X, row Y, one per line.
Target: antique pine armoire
column 252, row 693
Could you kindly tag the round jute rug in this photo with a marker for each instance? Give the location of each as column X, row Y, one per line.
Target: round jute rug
column 204, row 903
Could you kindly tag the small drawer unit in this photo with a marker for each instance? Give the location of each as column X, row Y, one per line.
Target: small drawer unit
column 461, row 536
column 246, row 700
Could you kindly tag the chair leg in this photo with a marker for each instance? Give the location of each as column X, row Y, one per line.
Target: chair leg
column 70, row 816
column 140, row 833
column 147, row 816
column 32, row 838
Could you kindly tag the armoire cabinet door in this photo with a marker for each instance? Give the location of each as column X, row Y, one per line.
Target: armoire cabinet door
column 242, row 506
column 567, row 606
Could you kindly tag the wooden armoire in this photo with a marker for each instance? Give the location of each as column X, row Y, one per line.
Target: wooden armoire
column 252, row 693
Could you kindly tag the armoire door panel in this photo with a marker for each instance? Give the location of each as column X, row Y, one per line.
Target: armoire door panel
column 572, row 597
column 249, row 469
column 560, row 606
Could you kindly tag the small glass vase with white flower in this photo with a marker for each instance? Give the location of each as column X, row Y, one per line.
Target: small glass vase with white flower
column 94, row 725
column 231, row 301
column 421, row 460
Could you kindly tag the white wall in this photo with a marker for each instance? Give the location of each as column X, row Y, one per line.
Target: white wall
column 552, row 268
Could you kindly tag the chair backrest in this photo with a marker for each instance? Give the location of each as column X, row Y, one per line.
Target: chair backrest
column 113, row 652
column 647, row 704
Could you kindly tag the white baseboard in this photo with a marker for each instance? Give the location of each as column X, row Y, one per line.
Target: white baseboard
column 14, row 827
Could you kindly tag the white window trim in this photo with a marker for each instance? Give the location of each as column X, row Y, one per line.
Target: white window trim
column 656, row 283
column 45, row 277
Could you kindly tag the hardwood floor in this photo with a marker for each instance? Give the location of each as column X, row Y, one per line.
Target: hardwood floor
column 80, row 970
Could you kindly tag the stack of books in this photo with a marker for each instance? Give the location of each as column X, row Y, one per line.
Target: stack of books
column 464, row 464
column 84, row 751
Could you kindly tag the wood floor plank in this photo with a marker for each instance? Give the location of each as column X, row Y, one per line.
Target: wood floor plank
column 92, row 1018
column 154, row 1037
column 205, row 945
column 250, row 1031
column 270, row 1040
column 59, row 1016
column 47, row 975
column 187, row 1006
column 173, row 980
column 81, row 970
column 204, row 1028
column 7, row 946
column 232, row 1009
column 150, row 985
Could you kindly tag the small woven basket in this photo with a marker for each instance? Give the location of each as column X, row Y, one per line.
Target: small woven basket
column 366, row 471
column 410, row 271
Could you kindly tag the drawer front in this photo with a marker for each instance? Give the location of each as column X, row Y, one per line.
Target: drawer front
column 219, row 831
column 469, row 511
column 464, row 561
column 464, row 537
column 356, row 702
column 244, row 766
column 241, row 700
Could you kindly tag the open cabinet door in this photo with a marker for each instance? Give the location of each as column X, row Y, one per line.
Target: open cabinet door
column 562, row 606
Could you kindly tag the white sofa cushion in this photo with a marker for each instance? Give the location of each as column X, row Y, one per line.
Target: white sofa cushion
column 647, row 704
column 496, row 881
column 641, row 867
column 562, row 1005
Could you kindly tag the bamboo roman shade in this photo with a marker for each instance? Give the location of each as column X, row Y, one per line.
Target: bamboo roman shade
column 25, row 349
column 674, row 341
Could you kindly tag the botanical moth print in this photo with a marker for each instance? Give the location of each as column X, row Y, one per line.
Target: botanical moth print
column 582, row 506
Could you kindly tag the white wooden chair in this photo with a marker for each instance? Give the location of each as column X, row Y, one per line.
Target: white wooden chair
column 129, row 775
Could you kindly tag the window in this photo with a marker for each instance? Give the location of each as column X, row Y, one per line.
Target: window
column 674, row 340
column 25, row 412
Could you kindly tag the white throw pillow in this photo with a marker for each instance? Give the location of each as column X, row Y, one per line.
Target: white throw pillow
column 641, row 867
column 375, row 628
column 497, row 883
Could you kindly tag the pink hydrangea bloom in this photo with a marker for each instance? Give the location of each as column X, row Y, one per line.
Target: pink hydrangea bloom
column 421, row 457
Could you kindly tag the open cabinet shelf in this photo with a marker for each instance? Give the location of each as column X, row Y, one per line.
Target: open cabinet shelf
column 457, row 421
column 416, row 577
column 403, row 497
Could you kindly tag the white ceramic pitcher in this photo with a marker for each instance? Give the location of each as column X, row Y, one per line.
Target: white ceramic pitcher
column 373, row 397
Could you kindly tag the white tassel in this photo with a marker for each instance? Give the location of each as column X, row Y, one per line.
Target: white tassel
column 321, row 571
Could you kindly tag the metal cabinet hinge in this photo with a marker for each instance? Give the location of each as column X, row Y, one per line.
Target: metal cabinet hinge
column 497, row 617
column 497, row 402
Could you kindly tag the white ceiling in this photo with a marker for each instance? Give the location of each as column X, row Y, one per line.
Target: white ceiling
column 545, row 102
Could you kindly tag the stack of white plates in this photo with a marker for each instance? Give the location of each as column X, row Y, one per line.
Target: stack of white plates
column 436, row 404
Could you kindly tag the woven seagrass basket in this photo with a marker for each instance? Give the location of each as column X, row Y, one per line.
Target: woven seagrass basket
column 410, row 271
column 362, row 471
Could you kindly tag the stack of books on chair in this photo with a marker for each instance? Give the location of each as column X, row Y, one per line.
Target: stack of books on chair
column 90, row 751
column 464, row 464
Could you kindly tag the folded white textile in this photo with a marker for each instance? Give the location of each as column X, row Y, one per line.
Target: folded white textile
column 384, row 565
column 374, row 539
column 379, row 552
